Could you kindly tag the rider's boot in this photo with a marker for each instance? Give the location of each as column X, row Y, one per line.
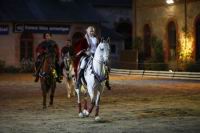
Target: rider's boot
column 37, row 70
column 58, row 78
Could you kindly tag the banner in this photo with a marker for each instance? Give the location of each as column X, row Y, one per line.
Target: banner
column 41, row 28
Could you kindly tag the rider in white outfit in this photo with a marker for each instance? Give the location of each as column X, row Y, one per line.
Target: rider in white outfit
column 92, row 45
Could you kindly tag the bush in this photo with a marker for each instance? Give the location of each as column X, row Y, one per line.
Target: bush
column 2, row 65
column 193, row 67
column 152, row 64
column 156, row 62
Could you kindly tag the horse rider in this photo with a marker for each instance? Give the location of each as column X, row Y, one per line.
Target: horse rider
column 47, row 45
column 85, row 47
column 66, row 49
column 89, row 43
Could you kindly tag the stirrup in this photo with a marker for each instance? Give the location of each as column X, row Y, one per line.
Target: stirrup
column 55, row 73
column 43, row 75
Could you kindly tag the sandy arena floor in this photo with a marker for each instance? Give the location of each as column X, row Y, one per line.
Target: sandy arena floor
column 133, row 105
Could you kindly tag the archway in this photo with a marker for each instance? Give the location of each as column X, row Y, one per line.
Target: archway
column 172, row 39
column 124, row 27
column 147, row 41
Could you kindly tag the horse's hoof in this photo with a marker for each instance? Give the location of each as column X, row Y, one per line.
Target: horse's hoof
column 85, row 113
column 81, row 115
column 97, row 118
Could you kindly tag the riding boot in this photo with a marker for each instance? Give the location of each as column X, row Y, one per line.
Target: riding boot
column 37, row 70
column 58, row 79
column 78, row 83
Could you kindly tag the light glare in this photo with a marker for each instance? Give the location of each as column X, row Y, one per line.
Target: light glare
column 169, row 1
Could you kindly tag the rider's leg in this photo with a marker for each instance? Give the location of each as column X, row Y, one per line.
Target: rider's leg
column 81, row 72
column 58, row 79
column 37, row 67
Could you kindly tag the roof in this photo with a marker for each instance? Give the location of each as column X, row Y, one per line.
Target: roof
column 47, row 10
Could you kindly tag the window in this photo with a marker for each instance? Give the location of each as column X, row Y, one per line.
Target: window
column 26, row 46
column 172, row 40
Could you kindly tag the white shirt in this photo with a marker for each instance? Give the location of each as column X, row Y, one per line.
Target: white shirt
column 92, row 41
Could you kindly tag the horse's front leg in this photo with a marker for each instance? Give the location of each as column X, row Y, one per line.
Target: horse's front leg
column 97, row 105
column 44, row 93
column 91, row 93
column 68, row 85
column 53, row 87
column 71, row 90
column 79, row 103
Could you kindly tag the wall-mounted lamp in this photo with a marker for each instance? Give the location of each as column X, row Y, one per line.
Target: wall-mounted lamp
column 170, row 2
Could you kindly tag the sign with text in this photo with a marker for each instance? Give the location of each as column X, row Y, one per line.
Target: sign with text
column 4, row 29
column 41, row 28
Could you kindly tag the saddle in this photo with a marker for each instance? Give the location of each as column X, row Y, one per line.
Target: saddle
column 88, row 60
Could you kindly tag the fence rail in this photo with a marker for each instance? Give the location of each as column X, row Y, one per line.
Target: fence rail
column 160, row 74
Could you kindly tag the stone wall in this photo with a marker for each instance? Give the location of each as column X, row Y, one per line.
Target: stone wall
column 157, row 14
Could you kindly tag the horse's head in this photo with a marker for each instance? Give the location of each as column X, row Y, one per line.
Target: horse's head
column 49, row 63
column 67, row 60
column 103, row 51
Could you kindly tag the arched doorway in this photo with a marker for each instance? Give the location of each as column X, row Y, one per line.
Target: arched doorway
column 76, row 37
column 197, row 38
column 147, row 41
column 26, row 46
column 124, row 27
column 172, row 39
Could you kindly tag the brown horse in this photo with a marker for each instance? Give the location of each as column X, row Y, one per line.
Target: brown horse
column 48, row 77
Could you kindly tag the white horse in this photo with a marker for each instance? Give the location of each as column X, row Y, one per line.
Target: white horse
column 69, row 75
column 95, row 77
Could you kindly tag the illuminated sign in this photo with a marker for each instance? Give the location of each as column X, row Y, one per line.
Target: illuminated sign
column 41, row 28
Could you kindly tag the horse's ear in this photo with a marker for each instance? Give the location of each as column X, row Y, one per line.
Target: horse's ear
column 102, row 38
column 108, row 40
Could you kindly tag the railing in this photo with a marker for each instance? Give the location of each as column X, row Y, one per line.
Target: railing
column 160, row 74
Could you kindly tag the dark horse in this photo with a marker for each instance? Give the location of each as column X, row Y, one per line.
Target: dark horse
column 48, row 77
